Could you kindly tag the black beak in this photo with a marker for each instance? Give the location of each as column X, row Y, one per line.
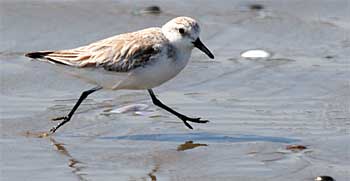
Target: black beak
column 198, row 44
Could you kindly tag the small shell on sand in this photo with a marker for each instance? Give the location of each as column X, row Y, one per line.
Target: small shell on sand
column 255, row 54
column 296, row 147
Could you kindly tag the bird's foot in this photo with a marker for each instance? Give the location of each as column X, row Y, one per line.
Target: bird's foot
column 53, row 130
column 194, row 120
column 65, row 120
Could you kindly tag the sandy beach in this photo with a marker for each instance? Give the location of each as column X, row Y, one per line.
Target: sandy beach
column 257, row 108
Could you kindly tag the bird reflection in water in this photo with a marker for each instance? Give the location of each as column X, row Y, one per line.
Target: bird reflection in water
column 182, row 147
column 73, row 163
column 152, row 174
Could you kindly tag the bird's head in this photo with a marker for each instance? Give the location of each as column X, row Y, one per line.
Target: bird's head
column 184, row 32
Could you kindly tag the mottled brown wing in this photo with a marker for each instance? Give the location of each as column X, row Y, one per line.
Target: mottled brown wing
column 119, row 53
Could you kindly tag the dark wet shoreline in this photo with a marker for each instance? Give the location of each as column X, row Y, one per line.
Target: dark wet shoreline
column 257, row 108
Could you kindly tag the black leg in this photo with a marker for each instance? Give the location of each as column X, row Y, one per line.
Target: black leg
column 69, row 116
column 184, row 118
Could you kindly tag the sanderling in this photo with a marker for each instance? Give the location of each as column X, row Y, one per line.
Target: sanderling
column 138, row 60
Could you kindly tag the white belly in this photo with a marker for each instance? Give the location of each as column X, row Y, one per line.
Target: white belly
column 153, row 74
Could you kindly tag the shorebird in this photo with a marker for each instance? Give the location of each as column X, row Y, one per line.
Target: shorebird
column 139, row 60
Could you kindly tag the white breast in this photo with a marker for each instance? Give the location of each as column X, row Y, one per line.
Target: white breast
column 156, row 72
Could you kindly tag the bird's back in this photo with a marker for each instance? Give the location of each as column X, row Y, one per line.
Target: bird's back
column 120, row 53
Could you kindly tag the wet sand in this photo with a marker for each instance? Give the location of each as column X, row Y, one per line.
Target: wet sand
column 256, row 108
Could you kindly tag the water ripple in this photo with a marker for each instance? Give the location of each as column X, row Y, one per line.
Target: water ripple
column 208, row 137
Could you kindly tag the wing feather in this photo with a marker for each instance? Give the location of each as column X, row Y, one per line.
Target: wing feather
column 120, row 53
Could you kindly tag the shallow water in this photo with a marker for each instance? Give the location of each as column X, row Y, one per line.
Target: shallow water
column 300, row 95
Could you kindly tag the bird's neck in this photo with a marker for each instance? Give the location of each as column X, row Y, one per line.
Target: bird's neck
column 182, row 57
column 182, row 51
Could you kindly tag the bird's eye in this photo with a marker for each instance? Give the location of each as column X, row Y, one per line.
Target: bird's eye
column 181, row 31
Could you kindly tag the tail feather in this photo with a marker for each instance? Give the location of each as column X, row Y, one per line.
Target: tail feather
column 49, row 56
column 38, row 54
column 73, row 57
